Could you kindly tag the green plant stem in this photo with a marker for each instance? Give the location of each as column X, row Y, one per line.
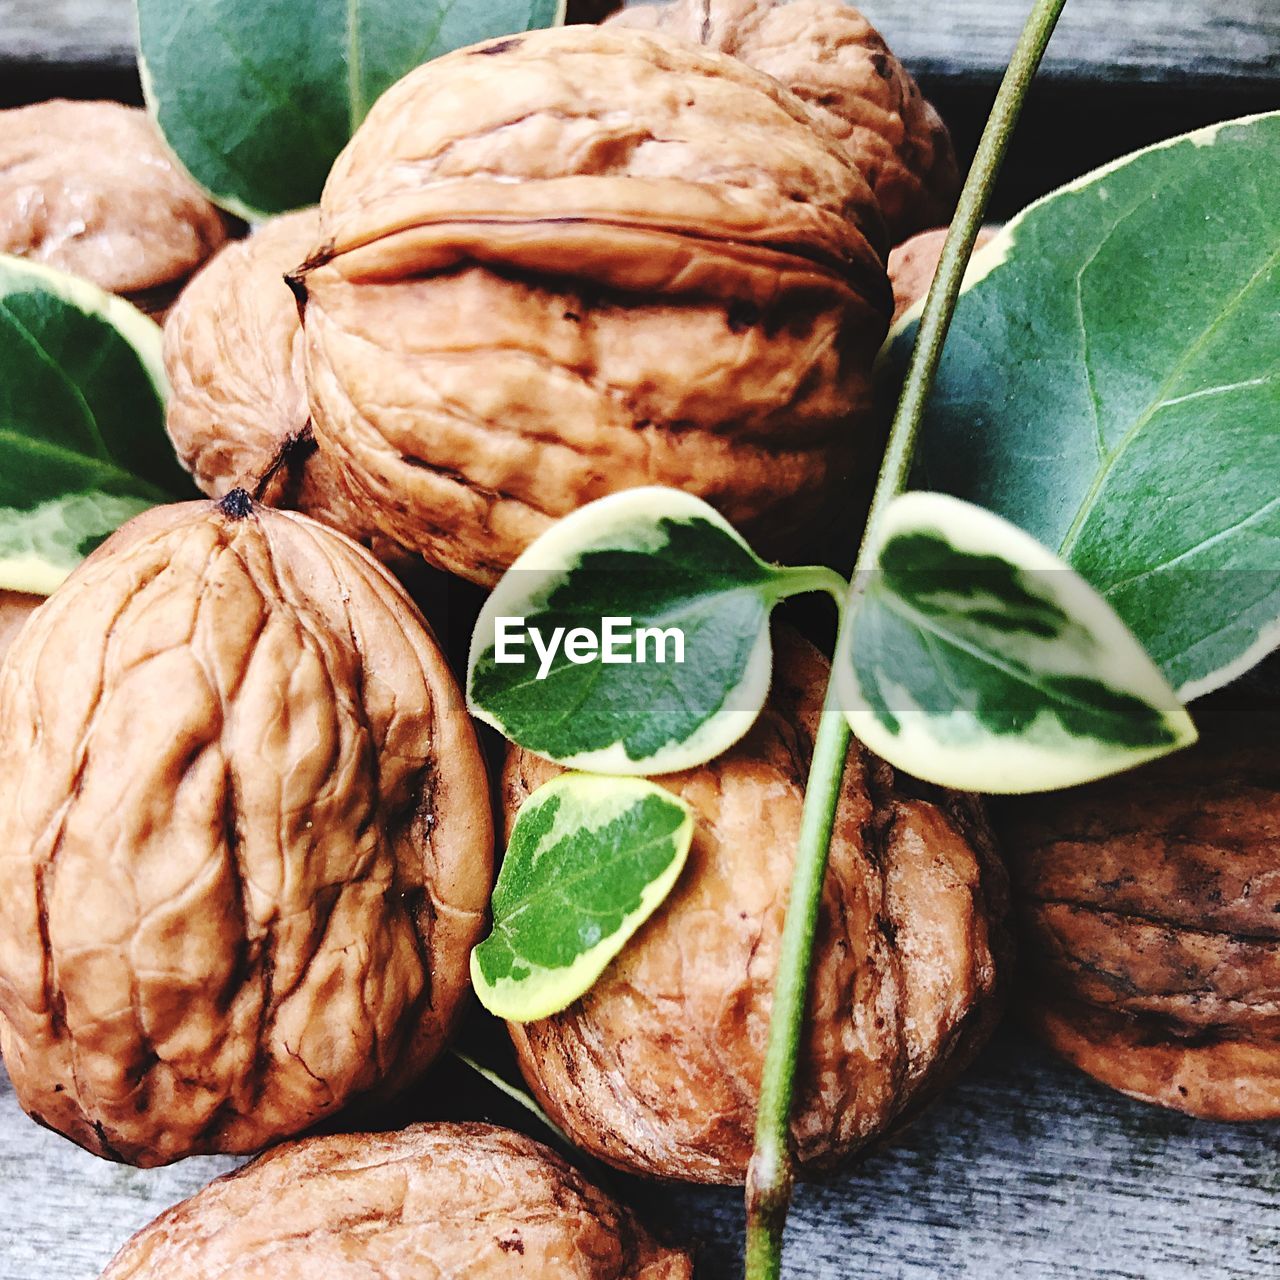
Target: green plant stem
column 796, row 582
column 771, row 1175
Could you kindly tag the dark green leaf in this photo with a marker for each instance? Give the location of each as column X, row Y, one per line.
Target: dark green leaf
column 1111, row 384
column 975, row 659
column 82, row 440
column 257, row 97
column 657, row 561
column 589, row 860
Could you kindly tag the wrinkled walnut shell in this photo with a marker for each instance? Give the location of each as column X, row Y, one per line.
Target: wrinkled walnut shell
column 1150, row 906
column 576, row 261
column 657, row 1068
column 913, row 264
column 830, row 56
column 246, row 837
column 15, row 608
column 90, row 188
column 238, row 404
column 435, row 1200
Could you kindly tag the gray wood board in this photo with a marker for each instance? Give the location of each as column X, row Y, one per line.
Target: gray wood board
column 1023, row 1170
column 1112, row 40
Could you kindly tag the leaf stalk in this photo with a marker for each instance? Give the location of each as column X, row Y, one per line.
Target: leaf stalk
column 771, row 1175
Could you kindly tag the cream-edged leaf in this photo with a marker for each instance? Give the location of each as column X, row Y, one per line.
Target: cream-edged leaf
column 632, row 637
column 975, row 659
column 589, row 860
column 82, row 439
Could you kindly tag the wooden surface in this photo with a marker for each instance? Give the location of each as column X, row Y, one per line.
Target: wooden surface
column 1023, row 1171
column 1116, row 40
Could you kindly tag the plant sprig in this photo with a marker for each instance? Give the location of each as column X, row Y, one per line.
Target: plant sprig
column 771, row 1175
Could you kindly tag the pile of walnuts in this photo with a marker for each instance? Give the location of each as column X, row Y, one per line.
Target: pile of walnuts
column 571, row 262
column 245, row 820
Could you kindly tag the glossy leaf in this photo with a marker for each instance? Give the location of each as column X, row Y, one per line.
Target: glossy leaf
column 257, row 97
column 695, row 601
column 589, row 860
column 975, row 659
column 82, row 440
column 1111, row 384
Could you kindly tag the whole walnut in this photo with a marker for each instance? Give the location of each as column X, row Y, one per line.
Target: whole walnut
column 657, row 1068
column 246, row 832
column 1150, row 908
column 576, row 261
column 436, row 1200
column 15, row 608
column 91, row 188
column 238, row 402
column 828, row 54
column 913, row 264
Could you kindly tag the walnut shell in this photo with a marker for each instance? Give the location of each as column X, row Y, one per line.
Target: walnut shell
column 90, row 188
column 576, row 261
column 15, row 608
column 435, row 1200
column 657, row 1068
column 246, row 833
column 1150, row 905
column 913, row 264
column 238, row 404
column 829, row 55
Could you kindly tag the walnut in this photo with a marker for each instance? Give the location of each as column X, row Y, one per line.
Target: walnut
column 15, row 608
column 435, row 1200
column 912, row 266
column 90, row 188
column 657, row 1068
column 238, row 405
column 575, row 261
column 246, row 833
column 827, row 53
column 1150, row 906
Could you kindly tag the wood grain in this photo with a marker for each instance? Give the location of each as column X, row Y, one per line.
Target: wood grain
column 1193, row 41
column 1024, row 1171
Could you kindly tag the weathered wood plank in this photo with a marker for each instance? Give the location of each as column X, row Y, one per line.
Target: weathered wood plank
column 1112, row 40
column 1024, row 1170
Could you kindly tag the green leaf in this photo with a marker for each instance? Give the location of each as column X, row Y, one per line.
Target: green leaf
column 975, row 659
column 589, row 860
column 1111, row 385
column 695, row 601
column 82, row 439
column 257, row 97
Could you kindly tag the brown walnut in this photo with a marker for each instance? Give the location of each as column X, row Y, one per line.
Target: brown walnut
column 1150, row 908
column 657, row 1068
column 238, row 403
column 90, row 188
column 15, row 608
column 246, row 837
column 435, row 1200
column 575, row 261
column 829, row 55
